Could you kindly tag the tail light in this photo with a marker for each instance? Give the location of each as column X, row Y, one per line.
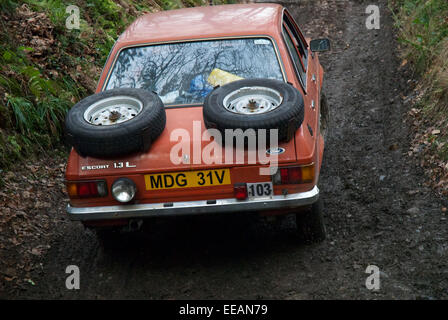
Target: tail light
column 87, row 189
column 240, row 191
column 294, row 175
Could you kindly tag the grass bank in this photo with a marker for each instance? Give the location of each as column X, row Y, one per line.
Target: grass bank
column 423, row 36
column 45, row 67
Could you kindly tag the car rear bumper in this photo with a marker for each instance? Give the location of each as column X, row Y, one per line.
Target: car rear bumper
column 289, row 201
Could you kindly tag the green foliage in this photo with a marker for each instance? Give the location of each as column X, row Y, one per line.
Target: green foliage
column 7, row 5
column 38, row 104
column 36, row 91
column 171, row 4
column 423, row 32
column 423, row 25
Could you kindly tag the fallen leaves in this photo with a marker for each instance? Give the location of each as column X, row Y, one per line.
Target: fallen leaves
column 394, row 147
column 36, row 30
column 31, row 205
column 37, row 251
column 429, row 144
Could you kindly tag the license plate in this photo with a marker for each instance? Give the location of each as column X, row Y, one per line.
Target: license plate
column 187, row 179
column 260, row 190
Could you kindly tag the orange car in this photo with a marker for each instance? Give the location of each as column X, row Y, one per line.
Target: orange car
column 198, row 111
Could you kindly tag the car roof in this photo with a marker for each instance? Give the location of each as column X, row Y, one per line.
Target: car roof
column 204, row 22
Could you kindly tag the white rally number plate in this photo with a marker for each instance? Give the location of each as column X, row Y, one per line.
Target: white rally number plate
column 260, row 190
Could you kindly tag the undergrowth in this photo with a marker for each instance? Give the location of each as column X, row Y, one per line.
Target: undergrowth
column 46, row 68
column 423, row 36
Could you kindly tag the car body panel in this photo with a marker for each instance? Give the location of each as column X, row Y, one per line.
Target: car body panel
column 195, row 24
column 157, row 159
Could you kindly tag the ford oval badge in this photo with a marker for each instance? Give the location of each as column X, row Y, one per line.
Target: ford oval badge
column 275, row 150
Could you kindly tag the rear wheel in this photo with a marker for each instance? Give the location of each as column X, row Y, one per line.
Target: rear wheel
column 310, row 224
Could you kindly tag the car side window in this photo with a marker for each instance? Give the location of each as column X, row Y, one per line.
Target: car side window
column 294, row 52
column 299, row 40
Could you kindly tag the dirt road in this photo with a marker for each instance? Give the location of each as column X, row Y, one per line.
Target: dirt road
column 378, row 211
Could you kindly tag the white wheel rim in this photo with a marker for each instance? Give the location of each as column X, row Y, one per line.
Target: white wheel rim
column 252, row 100
column 113, row 110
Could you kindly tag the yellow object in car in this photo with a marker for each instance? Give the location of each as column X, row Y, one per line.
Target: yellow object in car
column 220, row 77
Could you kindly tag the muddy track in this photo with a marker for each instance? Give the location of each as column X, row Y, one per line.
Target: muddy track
column 377, row 209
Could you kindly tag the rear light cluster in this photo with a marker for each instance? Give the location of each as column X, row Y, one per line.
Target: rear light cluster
column 87, row 189
column 240, row 191
column 123, row 189
column 294, row 175
column 289, row 175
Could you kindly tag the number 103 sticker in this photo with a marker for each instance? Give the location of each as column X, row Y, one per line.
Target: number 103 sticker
column 260, row 190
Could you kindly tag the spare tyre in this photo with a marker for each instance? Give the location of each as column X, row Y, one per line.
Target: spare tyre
column 255, row 104
column 115, row 122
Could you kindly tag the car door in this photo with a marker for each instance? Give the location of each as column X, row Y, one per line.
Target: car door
column 305, row 69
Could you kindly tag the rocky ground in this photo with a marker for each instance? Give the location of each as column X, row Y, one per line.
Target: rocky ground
column 378, row 208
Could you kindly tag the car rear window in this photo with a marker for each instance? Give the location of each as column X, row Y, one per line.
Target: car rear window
column 184, row 73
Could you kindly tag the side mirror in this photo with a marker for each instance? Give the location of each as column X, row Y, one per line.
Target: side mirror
column 319, row 45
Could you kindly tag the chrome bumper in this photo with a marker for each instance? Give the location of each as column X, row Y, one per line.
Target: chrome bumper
column 193, row 207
